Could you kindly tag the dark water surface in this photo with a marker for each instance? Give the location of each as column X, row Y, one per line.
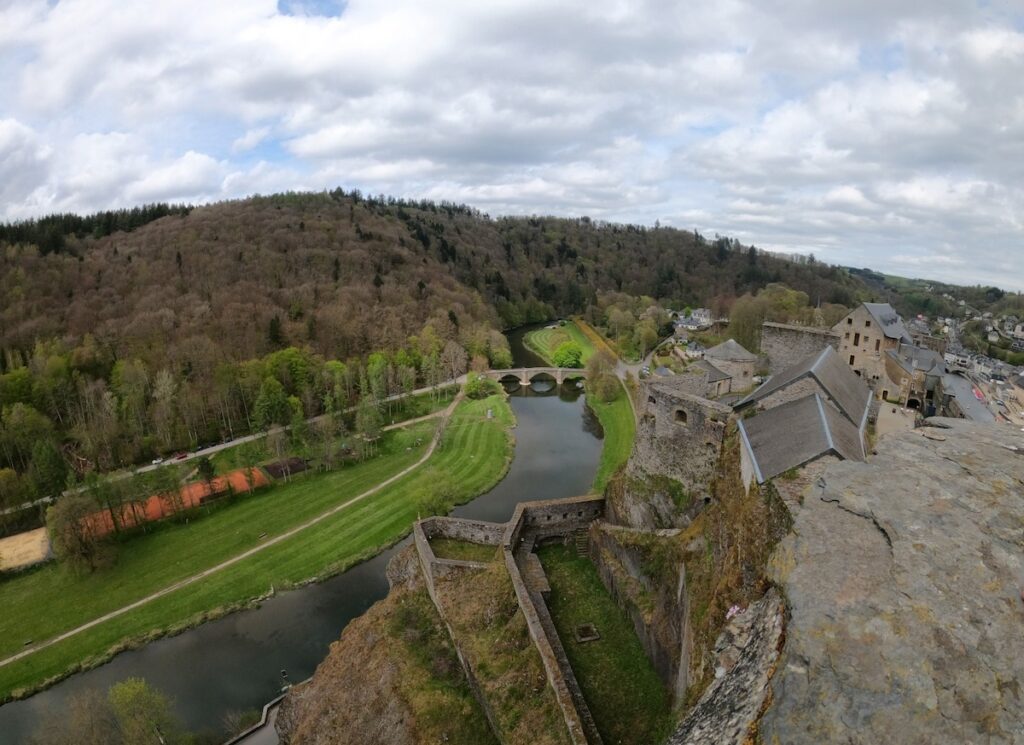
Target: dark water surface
column 235, row 663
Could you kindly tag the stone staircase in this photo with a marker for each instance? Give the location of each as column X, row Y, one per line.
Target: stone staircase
column 582, row 543
column 533, row 575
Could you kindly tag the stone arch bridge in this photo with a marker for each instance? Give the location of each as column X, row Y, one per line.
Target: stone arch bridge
column 527, row 375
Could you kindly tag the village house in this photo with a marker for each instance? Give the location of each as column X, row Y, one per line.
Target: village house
column 732, row 359
column 815, row 408
column 918, row 373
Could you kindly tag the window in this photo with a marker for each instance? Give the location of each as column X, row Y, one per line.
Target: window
column 867, row 324
column 846, row 335
column 650, row 400
column 856, row 340
column 680, row 416
column 851, row 360
column 849, row 321
column 878, row 343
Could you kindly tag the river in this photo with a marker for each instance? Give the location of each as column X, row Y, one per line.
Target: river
column 235, row 663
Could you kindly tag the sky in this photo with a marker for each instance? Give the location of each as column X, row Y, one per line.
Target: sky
column 880, row 133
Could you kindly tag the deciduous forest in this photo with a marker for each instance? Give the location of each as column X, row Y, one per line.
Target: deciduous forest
column 131, row 334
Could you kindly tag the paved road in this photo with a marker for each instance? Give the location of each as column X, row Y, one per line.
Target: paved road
column 446, row 414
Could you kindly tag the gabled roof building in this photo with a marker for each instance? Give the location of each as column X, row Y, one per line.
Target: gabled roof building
column 794, row 434
column 815, row 408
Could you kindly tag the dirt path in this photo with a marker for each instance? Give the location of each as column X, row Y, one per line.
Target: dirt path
column 445, row 414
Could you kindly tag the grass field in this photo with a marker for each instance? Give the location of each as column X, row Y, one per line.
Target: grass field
column 400, row 410
column 546, row 340
column 629, row 704
column 619, row 427
column 473, row 455
column 450, row 548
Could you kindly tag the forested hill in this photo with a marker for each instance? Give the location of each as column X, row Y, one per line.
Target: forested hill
column 185, row 325
column 347, row 276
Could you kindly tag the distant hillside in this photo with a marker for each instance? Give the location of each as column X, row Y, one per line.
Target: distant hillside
column 136, row 333
column 347, row 276
column 913, row 296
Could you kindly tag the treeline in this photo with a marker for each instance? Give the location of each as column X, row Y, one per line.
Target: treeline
column 142, row 336
column 50, row 233
column 68, row 412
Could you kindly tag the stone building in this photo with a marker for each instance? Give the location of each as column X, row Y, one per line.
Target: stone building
column 917, row 374
column 794, row 434
column 866, row 334
column 735, row 361
column 783, row 344
column 679, row 435
column 718, row 382
column 813, row 409
column 822, row 373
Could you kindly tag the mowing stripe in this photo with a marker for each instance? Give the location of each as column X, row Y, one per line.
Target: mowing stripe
column 245, row 554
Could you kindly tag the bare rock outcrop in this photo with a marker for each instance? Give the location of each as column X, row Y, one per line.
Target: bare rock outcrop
column 903, row 578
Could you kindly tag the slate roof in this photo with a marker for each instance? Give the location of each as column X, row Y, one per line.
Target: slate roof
column 795, row 433
column 837, row 379
column 913, row 358
column 887, row 319
column 730, row 350
column 714, row 374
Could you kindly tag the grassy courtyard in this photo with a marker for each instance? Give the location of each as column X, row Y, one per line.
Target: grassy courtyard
column 629, row 704
column 545, row 341
column 473, row 455
column 451, row 548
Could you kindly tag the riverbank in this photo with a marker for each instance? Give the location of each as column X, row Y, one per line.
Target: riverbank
column 472, row 455
column 616, row 417
column 619, row 425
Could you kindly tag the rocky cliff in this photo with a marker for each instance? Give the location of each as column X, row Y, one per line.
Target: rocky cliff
column 903, row 577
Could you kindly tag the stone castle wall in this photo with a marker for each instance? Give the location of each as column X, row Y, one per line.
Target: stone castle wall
column 784, row 344
column 679, row 436
column 660, row 614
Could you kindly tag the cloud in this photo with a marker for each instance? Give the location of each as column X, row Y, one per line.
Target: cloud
column 869, row 132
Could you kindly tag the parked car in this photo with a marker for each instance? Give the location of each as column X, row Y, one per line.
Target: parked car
column 181, row 456
column 157, row 461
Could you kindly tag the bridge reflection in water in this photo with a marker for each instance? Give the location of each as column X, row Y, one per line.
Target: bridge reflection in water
column 538, row 379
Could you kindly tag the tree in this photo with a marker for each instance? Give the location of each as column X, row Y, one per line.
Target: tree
column 437, row 500
column 745, row 319
column 645, row 336
column 602, row 382
column 49, row 469
column 568, row 354
column 74, row 536
column 88, row 720
column 274, row 334
column 23, row 427
column 144, row 715
column 205, row 469
column 369, row 422
column 271, row 405
column 480, row 386
column 453, row 360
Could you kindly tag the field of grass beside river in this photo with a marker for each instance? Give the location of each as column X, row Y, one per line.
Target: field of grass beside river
column 473, row 455
column 544, row 341
column 616, row 416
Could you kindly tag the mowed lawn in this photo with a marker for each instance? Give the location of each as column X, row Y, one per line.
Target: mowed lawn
column 545, row 341
column 629, row 704
column 473, row 455
column 619, row 427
